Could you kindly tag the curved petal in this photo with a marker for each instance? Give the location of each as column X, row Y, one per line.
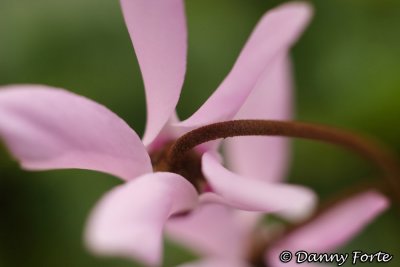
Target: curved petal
column 129, row 220
column 210, row 230
column 292, row 202
column 333, row 227
column 274, row 35
column 48, row 128
column 158, row 32
column 265, row 158
column 216, row 262
column 247, row 220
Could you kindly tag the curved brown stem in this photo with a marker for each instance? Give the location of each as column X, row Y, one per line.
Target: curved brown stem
column 368, row 149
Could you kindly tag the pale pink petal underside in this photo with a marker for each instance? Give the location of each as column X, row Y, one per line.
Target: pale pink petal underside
column 265, row 158
column 333, row 228
column 48, row 128
column 158, row 32
column 290, row 201
column 274, row 35
column 129, row 220
column 216, row 262
column 210, row 230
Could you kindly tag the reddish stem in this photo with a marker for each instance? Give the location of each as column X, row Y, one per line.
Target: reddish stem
column 370, row 150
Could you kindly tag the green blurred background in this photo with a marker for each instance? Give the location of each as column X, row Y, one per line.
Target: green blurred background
column 346, row 70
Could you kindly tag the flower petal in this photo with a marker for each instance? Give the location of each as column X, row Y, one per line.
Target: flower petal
column 261, row 157
column 168, row 132
column 216, row 262
column 292, row 202
column 274, row 35
column 210, row 230
column 129, row 220
column 158, row 32
column 332, row 228
column 48, row 128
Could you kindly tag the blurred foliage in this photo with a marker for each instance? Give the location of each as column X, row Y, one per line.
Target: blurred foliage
column 347, row 74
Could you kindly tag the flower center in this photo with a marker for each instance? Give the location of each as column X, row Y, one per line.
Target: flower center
column 189, row 166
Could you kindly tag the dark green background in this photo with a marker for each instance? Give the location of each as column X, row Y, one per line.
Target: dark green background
column 347, row 74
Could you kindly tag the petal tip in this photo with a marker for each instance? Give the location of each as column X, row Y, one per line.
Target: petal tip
column 298, row 14
column 305, row 204
column 302, row 9
column 380, row 201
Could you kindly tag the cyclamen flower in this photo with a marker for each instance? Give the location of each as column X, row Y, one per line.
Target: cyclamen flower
column 234, row 239
column 49, row 128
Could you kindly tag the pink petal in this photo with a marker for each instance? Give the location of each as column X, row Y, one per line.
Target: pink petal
column 274, row 35
column 247, row 220
column 129, row 220
column 48, row 128
column 291, row 201
column 158, row 32
column 168, row 132
column 216, row 262
column 332, row 228
column 209, row 230
column 260, row 157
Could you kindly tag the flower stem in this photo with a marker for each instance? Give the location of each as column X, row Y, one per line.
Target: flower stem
column 370, row 150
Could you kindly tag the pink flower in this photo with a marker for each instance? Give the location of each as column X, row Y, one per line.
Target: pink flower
column 49, row 128
column 234, row 240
